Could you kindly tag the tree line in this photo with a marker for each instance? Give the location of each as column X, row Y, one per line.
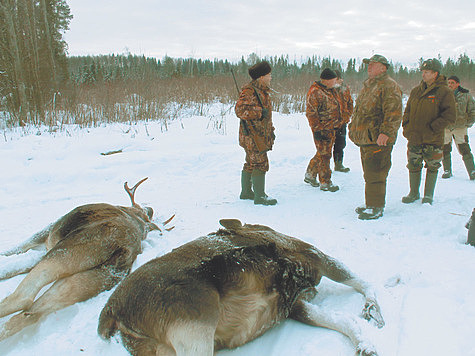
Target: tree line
column 109, row 68
column 40, row 84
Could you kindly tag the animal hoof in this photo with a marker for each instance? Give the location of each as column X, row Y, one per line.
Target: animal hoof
column 364, row 349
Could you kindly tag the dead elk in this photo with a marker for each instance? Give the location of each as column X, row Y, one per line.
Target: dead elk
column 89, row 250
column 225, row 289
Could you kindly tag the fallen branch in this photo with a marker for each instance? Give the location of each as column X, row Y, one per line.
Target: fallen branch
column 111, row 152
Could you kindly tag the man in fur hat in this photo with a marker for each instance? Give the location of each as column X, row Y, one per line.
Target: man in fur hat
column 256, row 133
column 324, row 114
column 465, row 118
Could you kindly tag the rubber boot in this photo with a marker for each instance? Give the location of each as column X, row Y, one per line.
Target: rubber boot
column 339, row 167
column 471, row 229
column 246, row 184
column 468, row 161
column 258, row 183
column 447, row 161
column 414, row 184
column 431, row 179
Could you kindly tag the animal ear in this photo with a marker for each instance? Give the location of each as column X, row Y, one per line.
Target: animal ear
column 231, row 224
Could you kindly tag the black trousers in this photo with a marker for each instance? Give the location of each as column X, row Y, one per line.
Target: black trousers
column 340, row 144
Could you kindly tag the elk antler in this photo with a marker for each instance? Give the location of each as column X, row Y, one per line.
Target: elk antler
column 167, row 221
column 131, row 191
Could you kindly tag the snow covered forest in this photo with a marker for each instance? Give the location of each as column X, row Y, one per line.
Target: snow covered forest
column 415, row 254
column 75, row 128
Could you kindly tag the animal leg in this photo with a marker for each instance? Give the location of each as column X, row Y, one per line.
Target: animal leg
column 346, row 324
column 15, row 265
column 36, row 240
column 63, row 293
column 338, row 272
column 57, row 264
column 144, row 346
column 192, row 338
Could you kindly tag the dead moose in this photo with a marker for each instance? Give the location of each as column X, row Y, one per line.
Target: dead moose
column 225, row 289
column 89, row 250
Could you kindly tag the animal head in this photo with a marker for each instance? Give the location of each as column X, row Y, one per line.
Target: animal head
column 145, row 213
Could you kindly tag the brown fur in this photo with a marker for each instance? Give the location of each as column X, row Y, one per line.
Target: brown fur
column 89, row 250
column 225, row 289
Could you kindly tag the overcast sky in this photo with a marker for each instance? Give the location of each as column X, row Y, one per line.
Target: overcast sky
column 403, row 30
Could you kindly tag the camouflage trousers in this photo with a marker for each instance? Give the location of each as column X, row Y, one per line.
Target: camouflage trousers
column 430, row 154
column 376, row 162
column 320, row 163
column 256, row 160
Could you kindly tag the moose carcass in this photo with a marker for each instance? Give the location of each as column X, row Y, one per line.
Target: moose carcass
column 225, row 289
column 89, row 250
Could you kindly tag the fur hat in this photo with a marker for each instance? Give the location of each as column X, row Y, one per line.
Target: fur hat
column 259, row 70
column 327, row 74
column 454, row 78
column 432, row 64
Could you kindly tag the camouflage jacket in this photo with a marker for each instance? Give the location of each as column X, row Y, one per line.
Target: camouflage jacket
column 429, row 110
column 324, row 108
column 347, row 102
column 465, row 109
column 378, row 110
column 253, row 118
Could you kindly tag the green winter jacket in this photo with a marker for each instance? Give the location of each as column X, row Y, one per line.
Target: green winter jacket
column 378, row 110
column 429, row 110
column 465, row 109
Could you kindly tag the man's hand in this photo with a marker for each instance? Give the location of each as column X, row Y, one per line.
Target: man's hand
column 382, row 140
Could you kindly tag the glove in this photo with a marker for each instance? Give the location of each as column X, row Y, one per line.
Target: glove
column 265, row 113
column 322, row 135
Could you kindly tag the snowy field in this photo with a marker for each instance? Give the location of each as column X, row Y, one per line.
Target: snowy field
column 415, row 255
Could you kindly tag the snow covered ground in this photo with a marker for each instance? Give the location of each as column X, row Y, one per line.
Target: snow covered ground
column 415, row 255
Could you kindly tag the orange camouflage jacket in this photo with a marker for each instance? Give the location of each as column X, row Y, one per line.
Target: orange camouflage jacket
column 347, row 102
column 324, row 108
column 254, row 108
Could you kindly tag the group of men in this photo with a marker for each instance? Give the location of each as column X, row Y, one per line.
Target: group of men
column 437, row 111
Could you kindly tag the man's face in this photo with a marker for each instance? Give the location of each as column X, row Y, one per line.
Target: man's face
column 429, row 76
column 453, row 84
column 265, row 79
column 329, row 83
column 375, row 69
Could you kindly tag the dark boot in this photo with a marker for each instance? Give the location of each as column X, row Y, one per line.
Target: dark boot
column 468, row 161
column 329, row 187
column 371, row 214
column 431, row 179
column 246, row 184
column 311, row 180
column 414, row 184
column 339, row 167
column 258, row 182
column 471, row 229
column 447, row 161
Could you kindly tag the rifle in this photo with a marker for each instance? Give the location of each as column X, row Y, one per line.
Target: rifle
column 248, row 126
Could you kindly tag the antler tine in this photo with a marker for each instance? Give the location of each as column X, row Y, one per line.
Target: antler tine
column 168, row 220
column 131, row 191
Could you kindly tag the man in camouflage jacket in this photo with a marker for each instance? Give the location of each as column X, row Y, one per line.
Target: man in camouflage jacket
column 373, row 127
column 429, row 111
column 465, row 118
column 324, row 114
column 340, row 134
column 256, row 133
